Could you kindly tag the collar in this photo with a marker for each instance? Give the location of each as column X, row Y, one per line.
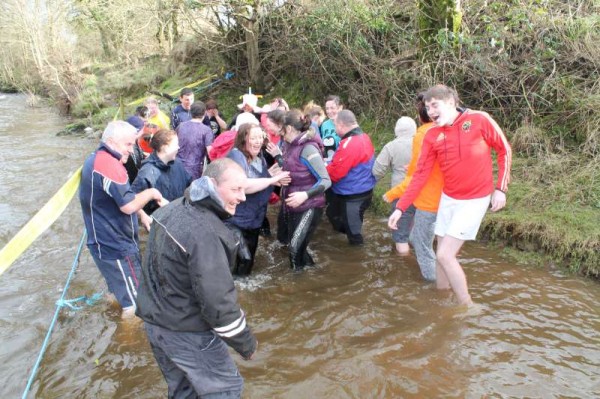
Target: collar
column 115, row 154
column 354, row 132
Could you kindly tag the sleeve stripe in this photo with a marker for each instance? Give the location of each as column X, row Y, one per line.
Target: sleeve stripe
column 233, row 328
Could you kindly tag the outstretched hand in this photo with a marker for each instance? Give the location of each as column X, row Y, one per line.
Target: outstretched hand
column 498, row 200
column 393, row 220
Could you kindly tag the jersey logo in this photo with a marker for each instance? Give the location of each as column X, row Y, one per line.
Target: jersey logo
column 441, row 137
column 466, row 126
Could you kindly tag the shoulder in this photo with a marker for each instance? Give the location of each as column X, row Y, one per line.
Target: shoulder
column 110, row 167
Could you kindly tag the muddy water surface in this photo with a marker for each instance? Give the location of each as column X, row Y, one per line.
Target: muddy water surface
column 361, row 324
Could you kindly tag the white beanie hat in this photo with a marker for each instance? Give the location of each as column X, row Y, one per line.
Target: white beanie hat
column 405, row 127
column 245, row 117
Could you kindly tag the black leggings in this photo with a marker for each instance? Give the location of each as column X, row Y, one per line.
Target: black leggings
column 300, row 228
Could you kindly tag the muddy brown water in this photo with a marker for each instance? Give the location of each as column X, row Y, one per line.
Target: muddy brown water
column 361, row 324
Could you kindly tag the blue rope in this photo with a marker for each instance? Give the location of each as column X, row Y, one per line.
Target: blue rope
column 62, row 302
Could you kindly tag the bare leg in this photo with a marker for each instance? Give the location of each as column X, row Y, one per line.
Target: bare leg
column 447, row 250
column 402, row 248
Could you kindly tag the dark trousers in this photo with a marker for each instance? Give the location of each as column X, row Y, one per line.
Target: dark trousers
column 245, row 259
column 194, row 364
column 301, row 227
column 346, row 214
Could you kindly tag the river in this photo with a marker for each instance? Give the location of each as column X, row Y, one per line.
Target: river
column 361, row 324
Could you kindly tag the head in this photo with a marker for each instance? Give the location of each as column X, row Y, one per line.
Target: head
column 250, row 139
column 243, row 118
column 212, row 107
column 229, row 180
column 166, row 144
column 198, row 110
column 441, row 102
column 275, row 120
column 315, row 113
column 186, row 97
column 152, row 104
column 344, row 122
column 295, row 124
column 405, row 127
column 120, row 137
column 421, row 109
column 333, row 105
column 280, row 103
column 142, row 111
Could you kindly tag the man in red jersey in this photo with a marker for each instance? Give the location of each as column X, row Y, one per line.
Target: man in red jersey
column 461, row 141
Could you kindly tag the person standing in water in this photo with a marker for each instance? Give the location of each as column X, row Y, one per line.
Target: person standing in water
column 109, row 208
column 461, row 141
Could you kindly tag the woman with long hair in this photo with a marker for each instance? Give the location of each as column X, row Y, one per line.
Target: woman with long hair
column 249, row 215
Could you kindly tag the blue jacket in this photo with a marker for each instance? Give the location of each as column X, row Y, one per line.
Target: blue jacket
column 104, row 189
column 351, row 166
column 170, row 179
column 179, row 115
column 251, row 213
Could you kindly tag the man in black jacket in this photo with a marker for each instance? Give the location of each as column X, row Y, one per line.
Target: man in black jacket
column 187, row 297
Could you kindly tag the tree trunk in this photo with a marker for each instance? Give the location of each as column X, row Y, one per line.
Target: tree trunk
column 436, row 16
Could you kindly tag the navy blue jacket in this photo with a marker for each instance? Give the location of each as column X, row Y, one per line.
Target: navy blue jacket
column 170, row 179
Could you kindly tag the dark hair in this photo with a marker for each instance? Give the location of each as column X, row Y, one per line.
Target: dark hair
column 161, row 138
column 422, row 109
column 198, row 109
column 142, row 111
column 277, row 116
column 297, row 120
column 211, row 104
column 241, row 138
column 186, row 91
column 335, row 99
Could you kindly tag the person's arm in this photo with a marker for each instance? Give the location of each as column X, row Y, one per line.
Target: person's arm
column 496, row 139
column 342, row 161
column 220, row 121
column 216, row 294
column 258, row 184
column 425, row 163
column 141, row 199
column 311, row 157
column 144, row 219
column 382, row 163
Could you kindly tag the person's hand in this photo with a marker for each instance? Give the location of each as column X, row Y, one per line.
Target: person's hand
column 393, row 220
column 283, row 178
column 146, row 221
column 212, row 112
column 385, row 198
column 498, row 200
column 162, row 202
column 273, row 149
column 296, row 199
column 252, row 354
column 275, row 170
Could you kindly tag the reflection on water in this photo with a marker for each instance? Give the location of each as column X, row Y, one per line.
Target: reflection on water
column 361, row 324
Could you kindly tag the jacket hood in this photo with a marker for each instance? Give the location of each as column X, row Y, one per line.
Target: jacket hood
column 405, row 127
column 202, row 191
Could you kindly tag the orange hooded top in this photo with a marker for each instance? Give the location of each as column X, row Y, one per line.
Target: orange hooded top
column 429, row 197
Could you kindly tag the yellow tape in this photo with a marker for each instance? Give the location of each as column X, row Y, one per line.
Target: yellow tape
column 40, row 222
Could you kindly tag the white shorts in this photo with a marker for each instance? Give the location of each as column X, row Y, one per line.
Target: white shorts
column 460, row 218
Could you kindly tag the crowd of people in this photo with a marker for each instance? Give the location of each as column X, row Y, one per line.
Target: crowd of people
column 202, row 186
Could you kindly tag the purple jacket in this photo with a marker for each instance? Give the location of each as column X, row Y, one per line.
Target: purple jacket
column 302, row 178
